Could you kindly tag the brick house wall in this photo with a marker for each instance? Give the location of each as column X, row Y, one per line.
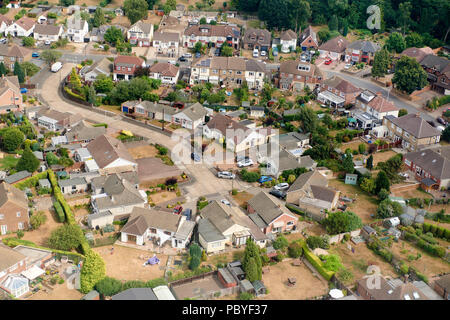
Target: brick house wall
column 363, row 293
column 16, row 269
column 10, row 212
column 441, row 291
column 283, row 218
column 9, row 98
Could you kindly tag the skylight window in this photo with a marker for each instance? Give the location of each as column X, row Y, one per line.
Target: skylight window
column 407, row 297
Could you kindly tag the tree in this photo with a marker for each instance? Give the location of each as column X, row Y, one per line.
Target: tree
column 151, row 3
column 113, row 35
column 251, row 271
column 226, row 50
column 12, row 139
column 50, row 56
column 333, row 23
column 383, row 194
column 381, row 63
column 388, row 209
column 347, row 163
column 99, row 18
column 195, row 250
column 135, row 10
column 28, row 41
column 382, row 182
column 309, row 120
column 93, row 271
column 395, row 42
column 300, row 12
column 75, row 81
column 324, row 35
column 369, row 164
column 66, row 3
column 368, row 185
column 280, row 243
column 339, row 222
column 198, row 47
column 295, row 250
column 28, row 161
column 251, row 263
column 29, row 68
column 203, row 20
column 18, row 71
column 275, row 13
column 414, row 40
column 405, row 15
column 90, row 96
column 409, row 75
column 3, row 70
column 108, row 286
column 37, row 219
column 314, row 242
column 66, row 237
column 446, row 134
column 248, row 5
column 194, row 263
column 332, row 262
column 103, row 83
column 361, row 148
column 402, row 112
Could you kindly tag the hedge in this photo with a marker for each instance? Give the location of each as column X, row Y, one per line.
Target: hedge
column 317, row 263
column 13, row 242
column 31, row 181
column 59, row 211
column 69, row 92
column 435, row 250
column 437, row 231
column 295, row 210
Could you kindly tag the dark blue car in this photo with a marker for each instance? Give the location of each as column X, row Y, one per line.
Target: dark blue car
column 35, row 55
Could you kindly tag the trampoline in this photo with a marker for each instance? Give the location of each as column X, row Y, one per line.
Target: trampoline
column 152, row 261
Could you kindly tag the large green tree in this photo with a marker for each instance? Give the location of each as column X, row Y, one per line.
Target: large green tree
column 12, row 139
column 3, row 70
column 381, row 63
column 395, row 42
column 339, row 222
column 108, row 286
column 103, row 83
column 18, row 71
column 275, row 13
column 347, row 163
column 388, row 209
column 409, row 75
column 414, row 40
column 382, row 182
column 135, row 10
column 50, row 56
column 309, row 120
column 92, row 272
column 28, row 161
column 300, row 13
column 405, row 15
column 66, row 237
column 248, row 5
column 99, row 18
column 251, row 262
column 113, row 35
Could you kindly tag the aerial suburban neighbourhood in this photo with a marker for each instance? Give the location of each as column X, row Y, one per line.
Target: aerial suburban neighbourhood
column 210, row 150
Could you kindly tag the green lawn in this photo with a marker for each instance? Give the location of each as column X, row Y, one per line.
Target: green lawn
column 8, row 163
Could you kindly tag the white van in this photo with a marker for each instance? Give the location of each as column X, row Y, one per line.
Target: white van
column 56, row 66
column 255, row 53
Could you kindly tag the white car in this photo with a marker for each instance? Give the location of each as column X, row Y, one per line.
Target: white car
column 188, row 55
column 255, row 53
column 226, row 202
column 47, row 42
column 226, row 175
column 282, row 186
column 263, row 53
column 245, row 163
column 347, row 66
column 3, row 40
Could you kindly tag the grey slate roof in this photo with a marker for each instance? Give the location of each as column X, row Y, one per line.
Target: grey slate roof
column 17, row 176
column 438, row 164
column 72, row 182
column 135, row 294
column 365, row 46
column 208, row 232
column 308, row 178
column 141, row 219
column 433, row 61
column 415, row 126
column 267, row 207
column 219, row 214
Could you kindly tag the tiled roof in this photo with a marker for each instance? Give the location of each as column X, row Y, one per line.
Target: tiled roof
column 213, row 31
column 338, row 44
column 105, row 149
column 288, row 35
column 415, row 125
column 307, row 179
column 437, row 164
column 381, row 105
column 25, row 23
column 165, row 69
column 128, row 61
column 47, row 29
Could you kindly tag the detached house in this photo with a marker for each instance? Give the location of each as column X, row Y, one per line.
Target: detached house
column 157, row 226
column 296, row 75
column 228, row 71
column 125, row 67
column 111, row 155
column 150, row 110
column 376, row 105
column 23, row 27
column 90, row 73
column 270, row 214
column 84, row 133
column 12, row 264
column 215, row 34
column 140, row 34
column 10, row 54
column 165, row 71
column 417, row 53
column 342, row 92
column 334, row 48
column 308, row 39
column 4, row 23
column 361, row 51
column 413, row 131
column 431, row 166
column 13, row 209
column 77, row 29
column 166, row 43
column 257, row 39
column 288, row 41
column 191, row 117
column 438, row 73
column 10, row 96
column 47, row 32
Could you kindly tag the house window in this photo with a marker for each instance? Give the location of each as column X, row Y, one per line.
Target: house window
column 203, row 70
column 129, row 69
column 250, row 73
column 290, row 223
column 224, row 71
column 20, row 226
column 152, row 230
column 216, row 245
column 18, row 214
column 239, row 72
column 2, row 216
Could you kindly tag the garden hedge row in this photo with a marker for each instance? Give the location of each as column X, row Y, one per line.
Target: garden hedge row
column 59, row 211
column 295, row 210
column 31, row 181
column 437, row 231
column 317, row 263
column 13, row 242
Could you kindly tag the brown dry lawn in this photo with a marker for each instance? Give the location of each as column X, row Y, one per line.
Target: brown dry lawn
column 358, row 262
column 354, row 145
column 125, row 264
column 364, row 205
column 242, row 198
column 382, row 156
column 163, row 196
column 408, row 194
column 41, row 235
column 308, row 286
column 60, row 292
column 426, row 264
column 140, row 152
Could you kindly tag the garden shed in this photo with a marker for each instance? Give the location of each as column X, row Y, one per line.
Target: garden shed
column 259, row 287
column 392, row 222
column 246, row 286
column 367, row 231
column 44, row 183
column 406, row 219
column 226, row 278
column 419, row 219
column 351, row 178
column 394, row 232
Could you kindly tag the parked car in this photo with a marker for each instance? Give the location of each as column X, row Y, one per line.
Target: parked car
column 178, row 209
column 198, row 55
column 240, row 158
column 278, row 193
column 404, row 174
column 187, row 55
column 56, row 66
column 255, row 53
column 328, row 62
column 275, row 52
column 245, row 163
column 265, row 179
column 441, row 121
column 348, row 66
column 187, row 213
column 3, row 40
column 217, row 52
column 226, row 202
column 23, row 90
column 282, row 186
column 263, row 53
column 35, row 55
column 182, row 59
column 226, row 175
column 195, row 157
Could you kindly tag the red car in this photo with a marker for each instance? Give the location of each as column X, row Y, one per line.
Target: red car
column 327, row 62
column 178, row 209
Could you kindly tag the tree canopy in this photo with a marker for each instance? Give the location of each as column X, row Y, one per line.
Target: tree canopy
column 92, row 272
column 28, row 161
column 12, row 139
column 135, row 10
column 66, row 237
column 409, row 75
column 339, row 222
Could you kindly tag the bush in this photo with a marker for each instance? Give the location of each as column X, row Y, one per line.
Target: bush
column 156, row 282
column 317, row 263
column 59, row 211
column 108, row 286
column 92, row 272
column 66, row 237
column 295, row 250
column 280, row 243
column 38, row 219
column 246, row 296
column 194, row 263
column 314, row 242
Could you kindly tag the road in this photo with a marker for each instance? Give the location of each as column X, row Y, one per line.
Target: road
column 205, row 181
column 367, row 84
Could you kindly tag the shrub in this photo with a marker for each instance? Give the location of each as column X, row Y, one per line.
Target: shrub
column 295, row 250
column 156, row 282
column 234, row 192
column 59, row 211
column 314, row 242
column 194, row 263
column 332, row 262
column 246, row 296
column 38, row 219
column 404, row 269
column 20, row 234
column 66, row 237
column 317, row 263
column 280, row 243
column 93, row 271
column 108, row 286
